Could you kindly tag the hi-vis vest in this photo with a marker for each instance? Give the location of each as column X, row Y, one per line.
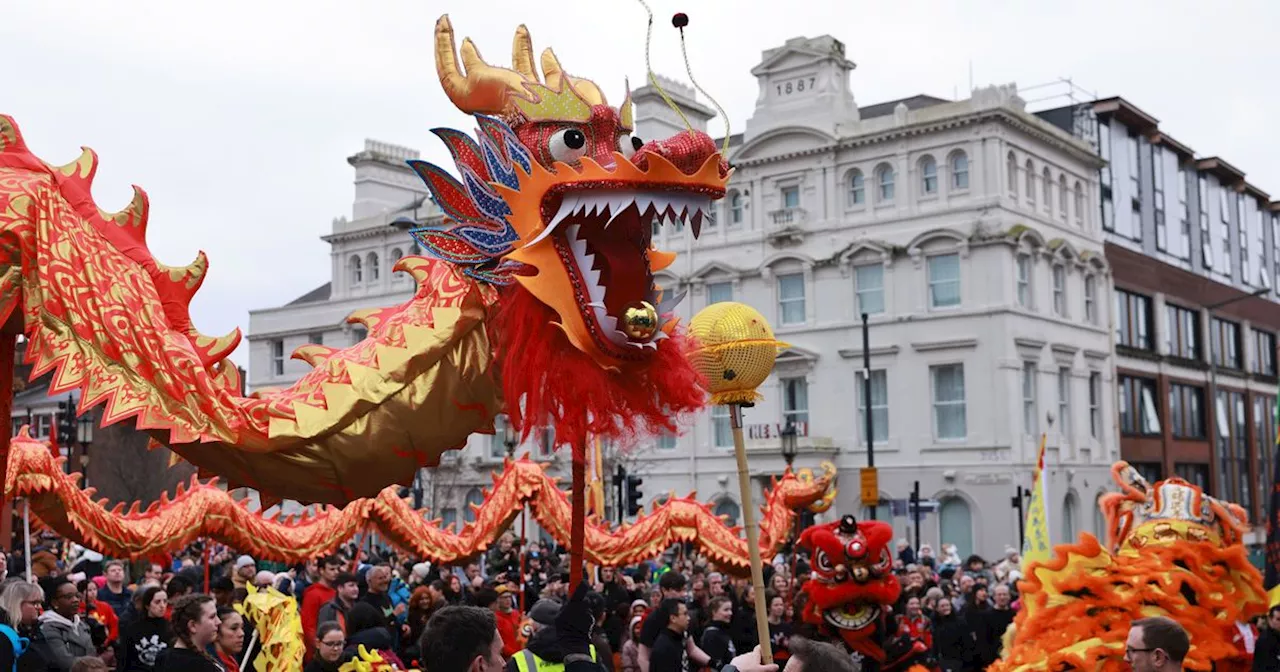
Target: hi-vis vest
column 527, row 662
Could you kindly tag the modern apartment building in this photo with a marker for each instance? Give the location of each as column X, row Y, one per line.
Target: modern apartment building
column 1194, row 249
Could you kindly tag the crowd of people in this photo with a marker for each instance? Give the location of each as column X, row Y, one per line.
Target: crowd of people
column 675, row 613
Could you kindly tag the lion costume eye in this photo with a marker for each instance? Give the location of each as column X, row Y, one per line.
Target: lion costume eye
column 822, row 562
column 568, row 145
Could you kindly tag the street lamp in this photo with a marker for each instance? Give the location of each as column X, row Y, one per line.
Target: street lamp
column 789, row 442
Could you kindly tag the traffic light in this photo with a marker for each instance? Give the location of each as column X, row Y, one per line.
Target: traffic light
column 66, row 423
column 634, row 495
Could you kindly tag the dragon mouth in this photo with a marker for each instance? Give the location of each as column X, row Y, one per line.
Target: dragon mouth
column 840, row 617
column 603, row 240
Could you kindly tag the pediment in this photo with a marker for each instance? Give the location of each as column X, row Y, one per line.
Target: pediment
column 785, row 140
column 794, row 354
column 790, row 59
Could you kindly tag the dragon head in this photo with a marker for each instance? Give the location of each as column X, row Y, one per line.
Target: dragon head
column 1172, row 511
column 853, row 574
column 561, row 198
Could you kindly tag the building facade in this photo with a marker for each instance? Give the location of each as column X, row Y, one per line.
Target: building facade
column 985, row 284
column 1194, row 248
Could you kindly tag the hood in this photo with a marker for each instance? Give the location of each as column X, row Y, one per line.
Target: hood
column 543, row 645
column 59, row 620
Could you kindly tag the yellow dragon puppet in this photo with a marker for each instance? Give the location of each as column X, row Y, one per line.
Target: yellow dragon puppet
column 1173, row 551
column 537, row 298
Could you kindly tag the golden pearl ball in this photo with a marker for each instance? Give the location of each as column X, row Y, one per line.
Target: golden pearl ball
column 735, row 350
column 640, row 321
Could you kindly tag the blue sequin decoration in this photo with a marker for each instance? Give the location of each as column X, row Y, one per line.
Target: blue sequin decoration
column 484, row 197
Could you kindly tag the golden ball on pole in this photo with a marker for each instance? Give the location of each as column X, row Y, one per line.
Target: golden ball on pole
column 640, row 320
column 734, row 350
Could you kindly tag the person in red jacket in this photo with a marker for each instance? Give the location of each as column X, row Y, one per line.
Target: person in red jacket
column 317, row 595
column 509, row 620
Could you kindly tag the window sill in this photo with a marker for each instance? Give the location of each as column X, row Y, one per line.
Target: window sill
column 929, row 197
column 884, row 205
column 1140, row 436
column 1266, row 378
column 946, row 309
column 958, row 191
column 856, row 207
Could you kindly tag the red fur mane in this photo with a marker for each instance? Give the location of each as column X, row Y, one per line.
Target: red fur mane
column 548, row 382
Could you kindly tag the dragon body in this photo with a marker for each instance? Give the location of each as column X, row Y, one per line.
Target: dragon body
column 207, row 511
column 536, row 298
column 1172, row 551
column 851, row 596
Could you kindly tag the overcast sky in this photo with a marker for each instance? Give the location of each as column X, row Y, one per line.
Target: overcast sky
column 236, row 116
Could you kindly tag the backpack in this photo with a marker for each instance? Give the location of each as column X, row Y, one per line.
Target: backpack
column 19, row 644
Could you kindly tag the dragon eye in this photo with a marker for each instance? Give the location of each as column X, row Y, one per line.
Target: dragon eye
column 629, row 144
column 568, row 145
column 822, row 561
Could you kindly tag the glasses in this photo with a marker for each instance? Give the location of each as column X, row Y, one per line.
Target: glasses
column 336, row 645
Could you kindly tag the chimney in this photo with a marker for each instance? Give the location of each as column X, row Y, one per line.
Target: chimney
column 655, row 120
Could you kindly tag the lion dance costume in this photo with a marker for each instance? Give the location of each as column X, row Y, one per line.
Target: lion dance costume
column 1172, row 551
column 853, row 592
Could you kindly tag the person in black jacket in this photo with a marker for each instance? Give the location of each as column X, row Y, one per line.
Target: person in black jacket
column 952, row 640
column 21, row 611
column 669, row 650
column 366, row 626
column 717, row 638
column 142, row 641
column 1266, row 652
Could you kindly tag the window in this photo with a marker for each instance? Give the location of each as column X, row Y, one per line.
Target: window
column 316, row 338
column 373, row 267
column 728, row 510
column 547, row 442
column 1133, row 320
column 498, row 441
column 1060, row 291
column 1062, row 197
column 1242, row 229
column 1024, row 281
column 448, row 518
column 857, row 189
column 1030, row 187
column 791, row 298
column 358, row 333
column 1151, row 472
column 879, row 406
column 790, row 197
column 1095, row 404
column 1206, row 247
column 667, row 440
column 1011, row 168
column 1186, row 411
column 948, row 401
column 795, row 400
column 928, row 176
column 1184, row 218
column 1064, row 401
column 1233, row 452
column 356, row 269
column 718, row 292
column 1091, row 299
column 1264, row 352
column 1079, row 204
column 1030, row 414
column 735, row 209
column 1196, row 474
column 277, row 357
column 1135, row 188
column 944, row 281
column 885, row 176
column 1138, row 413
column 1106, row 178
column 959, row 171
column 1275, row 252
column 721, row 429
column 869, row 288
column 1224, row 340
column 474, row 499
column 1264, row 436
column 1157, row 194
column 1046, row 189
column 1224, row 231
column 397, row 276
column 1182, row 332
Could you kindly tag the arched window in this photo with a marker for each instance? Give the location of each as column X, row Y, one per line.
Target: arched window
column 373, row 267
column 356, row 269
column 729, row 509
column 1070, row 510
column 884, row 512
column 1079, row 204
column 1011, row 167
column 959, row 170
column 1046, row 189
column 476, row 498
column 857, row 189
column 1062, row 197
column 928, row 176
column 396, row 255
column 1031, row 182
column 885, row 177
column 955, row 525
column 735, row 208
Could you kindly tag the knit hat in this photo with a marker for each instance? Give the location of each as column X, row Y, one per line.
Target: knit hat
column 639, row 603
column 244, row 561
column 421, row 569
column 544, row 612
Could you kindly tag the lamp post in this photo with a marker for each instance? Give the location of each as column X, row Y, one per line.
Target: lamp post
column 789, row 449
column 1213, row 358
column 511, row 438
column 789, row 442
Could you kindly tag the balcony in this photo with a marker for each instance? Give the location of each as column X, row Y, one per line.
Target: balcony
column 786, row 226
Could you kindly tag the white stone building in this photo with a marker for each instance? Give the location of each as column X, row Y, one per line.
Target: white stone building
column 988, row 315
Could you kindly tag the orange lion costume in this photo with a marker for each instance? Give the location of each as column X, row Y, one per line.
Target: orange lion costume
column 1172, row 551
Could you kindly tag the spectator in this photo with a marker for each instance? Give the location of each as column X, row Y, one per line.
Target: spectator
column 542, row 648
column 316, row 596
column 68, row 636
column 716, row 640
column 21, row 611
column 143, row 640
column 230, row 642
column 245, row 570
column 366, row 627
column 810, row 656
column 952, row 641
column 631, row 646
column 348, row 591
column 1266, row 651
column 1156, row 644
column 669, row 651
column 603, row 652
column 462, row 639
column 508, row 619
column 116, row 593
column 195, row 628
column 330, row 643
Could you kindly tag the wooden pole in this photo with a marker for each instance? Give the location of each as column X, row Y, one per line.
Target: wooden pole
column 577, row 533
column 753, row 534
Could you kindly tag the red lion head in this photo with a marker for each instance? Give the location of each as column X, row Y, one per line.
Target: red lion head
column 854, row 581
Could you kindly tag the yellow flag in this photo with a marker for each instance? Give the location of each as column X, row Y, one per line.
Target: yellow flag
column 1036, row 546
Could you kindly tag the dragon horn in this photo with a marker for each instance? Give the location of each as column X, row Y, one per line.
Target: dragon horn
column 556, row 78
column 483, row 89
column 522, row 54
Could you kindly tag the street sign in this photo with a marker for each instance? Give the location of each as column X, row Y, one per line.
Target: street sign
column 902, row 507
column 870, row 486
